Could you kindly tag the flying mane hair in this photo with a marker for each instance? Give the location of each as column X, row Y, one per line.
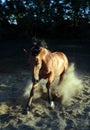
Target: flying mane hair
column 35, row 49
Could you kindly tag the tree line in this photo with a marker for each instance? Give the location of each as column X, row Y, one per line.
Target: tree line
column 45, row 18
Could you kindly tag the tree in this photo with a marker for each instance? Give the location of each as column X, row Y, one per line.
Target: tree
column 28, row 16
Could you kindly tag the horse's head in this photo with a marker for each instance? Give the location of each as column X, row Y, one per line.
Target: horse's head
column 36, row 47
column 37, row 53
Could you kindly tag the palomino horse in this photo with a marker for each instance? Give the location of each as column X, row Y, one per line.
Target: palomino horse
column 47, row 65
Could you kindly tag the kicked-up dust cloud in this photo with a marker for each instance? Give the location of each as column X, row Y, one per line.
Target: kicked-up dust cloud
column 69, row 88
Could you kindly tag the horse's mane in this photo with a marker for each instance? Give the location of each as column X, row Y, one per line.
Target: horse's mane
column 35, row 49
column 39, row 43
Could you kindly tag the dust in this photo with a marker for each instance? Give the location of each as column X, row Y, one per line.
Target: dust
column 3, row 108
column 76, row 116
column 70, row 87
column 27, row 88
column 38, row 89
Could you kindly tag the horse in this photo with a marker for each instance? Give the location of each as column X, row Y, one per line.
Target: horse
column 45, row 64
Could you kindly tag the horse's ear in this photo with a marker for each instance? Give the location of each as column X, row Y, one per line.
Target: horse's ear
column 35, row 40
column 44, row 44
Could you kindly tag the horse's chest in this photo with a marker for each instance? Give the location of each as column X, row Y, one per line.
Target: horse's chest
column 44, row 71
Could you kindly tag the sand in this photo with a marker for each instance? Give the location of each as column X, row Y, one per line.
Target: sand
column 71, row 97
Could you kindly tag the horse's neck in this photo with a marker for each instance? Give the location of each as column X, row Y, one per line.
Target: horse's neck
column 44, row 53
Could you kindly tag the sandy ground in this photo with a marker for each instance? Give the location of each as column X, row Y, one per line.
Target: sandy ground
column 13, row 82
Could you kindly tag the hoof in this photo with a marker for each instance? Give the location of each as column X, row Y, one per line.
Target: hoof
column 51, row 105
column 25, row 111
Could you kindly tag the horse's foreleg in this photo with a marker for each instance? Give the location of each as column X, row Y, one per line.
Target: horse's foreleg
column 50, row 99
column 31, row 97
column 49, row 92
